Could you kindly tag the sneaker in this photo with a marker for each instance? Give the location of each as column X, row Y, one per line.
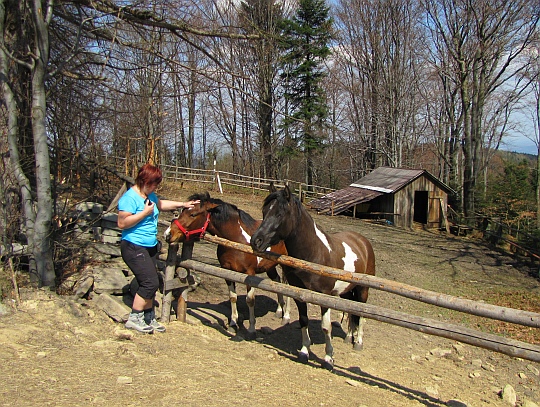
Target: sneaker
column 157, row 326
column 136, row 321
column 150, row 319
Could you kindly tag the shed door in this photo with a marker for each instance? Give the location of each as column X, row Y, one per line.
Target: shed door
column 420, row 206
column 436, row 201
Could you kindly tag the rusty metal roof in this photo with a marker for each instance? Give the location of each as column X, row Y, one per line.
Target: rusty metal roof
column 387, row 180
column 342, row 199
column 382, row 180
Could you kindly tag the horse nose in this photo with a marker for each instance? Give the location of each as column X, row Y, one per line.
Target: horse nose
column 256, row 243
column 167, row 235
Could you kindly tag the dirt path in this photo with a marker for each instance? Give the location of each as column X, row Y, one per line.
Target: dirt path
column 58, row 351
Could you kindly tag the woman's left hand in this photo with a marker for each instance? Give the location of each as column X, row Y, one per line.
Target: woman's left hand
column 190, row 204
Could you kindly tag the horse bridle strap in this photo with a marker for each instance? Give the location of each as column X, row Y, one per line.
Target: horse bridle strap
column 195, row 234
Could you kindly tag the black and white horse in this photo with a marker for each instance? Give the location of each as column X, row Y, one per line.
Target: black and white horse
column 285, row 219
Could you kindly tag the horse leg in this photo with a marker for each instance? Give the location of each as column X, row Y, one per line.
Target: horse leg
column 326, row 325
column 303, row 354
column 355, row 332
column 283, row 311
column 233, row 323
column 356, row 328
column 286, row 309
column 250, row 300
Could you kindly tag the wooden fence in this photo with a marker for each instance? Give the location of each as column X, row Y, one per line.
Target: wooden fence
column 222, row 179
column 473, row 337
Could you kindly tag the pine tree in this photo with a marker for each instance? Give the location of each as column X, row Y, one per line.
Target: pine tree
column 305, row 45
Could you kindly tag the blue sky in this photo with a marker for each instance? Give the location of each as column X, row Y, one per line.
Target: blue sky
column 519, row 144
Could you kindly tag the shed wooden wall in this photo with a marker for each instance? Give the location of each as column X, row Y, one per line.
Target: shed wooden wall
column 404, row 203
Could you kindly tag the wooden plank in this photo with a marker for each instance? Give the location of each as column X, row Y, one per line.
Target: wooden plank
column 445, row 215
column 521, row 317
column 170, row 267
column 492, row 342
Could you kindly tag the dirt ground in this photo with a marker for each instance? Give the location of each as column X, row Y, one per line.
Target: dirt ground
column 59, row 351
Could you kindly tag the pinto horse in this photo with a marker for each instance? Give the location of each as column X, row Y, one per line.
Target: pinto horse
column 285, row 219
column 225, row 220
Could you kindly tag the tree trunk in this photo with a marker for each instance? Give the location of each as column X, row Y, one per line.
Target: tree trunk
column 538, row 185
column 42, row 228
column 23, row 182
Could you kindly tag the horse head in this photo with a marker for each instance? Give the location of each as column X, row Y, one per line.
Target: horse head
column 279, row 210
column 191, row 222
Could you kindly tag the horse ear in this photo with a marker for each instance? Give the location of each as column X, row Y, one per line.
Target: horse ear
column 210, row 206
column 287, row 193
column 272, row 187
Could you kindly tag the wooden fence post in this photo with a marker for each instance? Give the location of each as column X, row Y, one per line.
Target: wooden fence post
column 187, row 252
column 170, row 268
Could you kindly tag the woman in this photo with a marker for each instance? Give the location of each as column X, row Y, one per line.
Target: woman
column 138, row 211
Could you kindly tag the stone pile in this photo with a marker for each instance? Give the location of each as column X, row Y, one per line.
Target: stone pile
column 90, row 217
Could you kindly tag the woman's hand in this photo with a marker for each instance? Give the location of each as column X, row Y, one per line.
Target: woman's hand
column 190, row 204
column 148, row 207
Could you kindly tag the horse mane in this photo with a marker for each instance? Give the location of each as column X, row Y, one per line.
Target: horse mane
column 224, row 211
column 278, row 195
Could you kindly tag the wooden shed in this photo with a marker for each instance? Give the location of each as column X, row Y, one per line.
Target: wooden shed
column 402, row 197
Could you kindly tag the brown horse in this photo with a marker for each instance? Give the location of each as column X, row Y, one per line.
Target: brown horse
column 285, row 219
column 225, row 220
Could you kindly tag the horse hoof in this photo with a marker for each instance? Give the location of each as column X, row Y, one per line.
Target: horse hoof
column 358, row 346
column 328, row 365
column 279, row 314
column 302, row 357
column 250, row 336
column 232, row 329
column 348, row 339
column 285, row 321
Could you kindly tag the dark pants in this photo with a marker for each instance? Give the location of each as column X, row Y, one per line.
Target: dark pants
column 142, row 262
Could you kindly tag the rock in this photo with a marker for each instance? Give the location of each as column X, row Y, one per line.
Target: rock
column 476, row 362
column 108, row 280
column 112, row 307
column 97, row 208
column 440, row 352
column 83, row 285
column 86, row 206
column 124, row 380
column 533, row 369
column 528, row 403
column 4, row 310
column 459, row 348
column 124, row 334
column 508, row 394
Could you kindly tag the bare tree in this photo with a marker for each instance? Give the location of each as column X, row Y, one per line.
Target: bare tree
column 379, row 55
column 483, row 40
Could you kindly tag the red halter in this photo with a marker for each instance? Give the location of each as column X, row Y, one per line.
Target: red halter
column 197, row 233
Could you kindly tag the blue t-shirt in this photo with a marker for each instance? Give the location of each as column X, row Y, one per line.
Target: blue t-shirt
column 143, row 233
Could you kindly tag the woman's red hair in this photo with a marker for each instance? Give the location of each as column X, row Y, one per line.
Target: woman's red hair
column 148, row 174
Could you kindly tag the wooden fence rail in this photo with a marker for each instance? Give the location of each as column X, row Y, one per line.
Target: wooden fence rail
column 210, row 177
column 492, row 342
column 520, row 317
